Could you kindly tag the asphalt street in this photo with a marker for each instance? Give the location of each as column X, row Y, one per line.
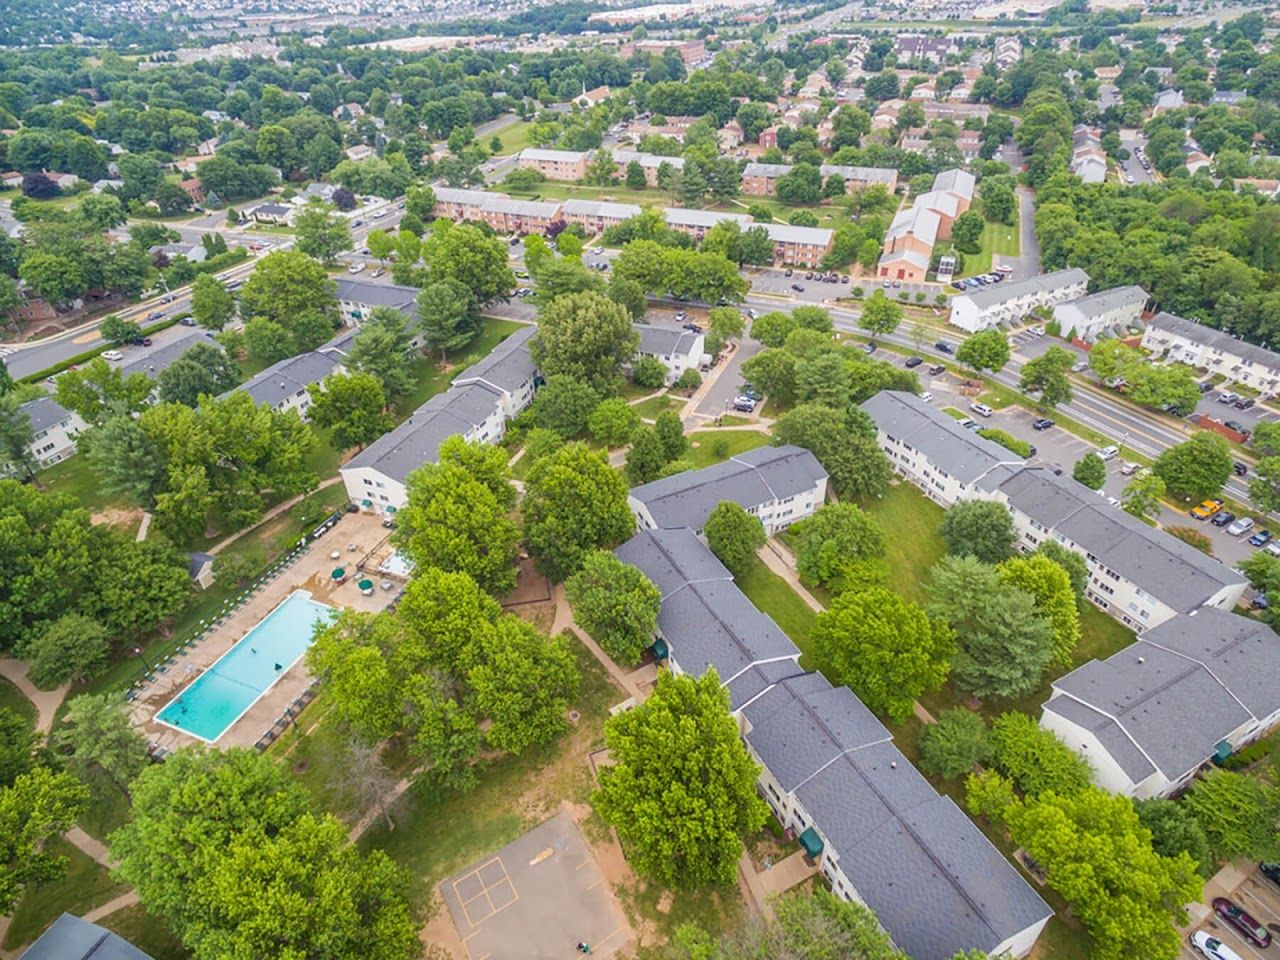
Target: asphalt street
column 1130, row 139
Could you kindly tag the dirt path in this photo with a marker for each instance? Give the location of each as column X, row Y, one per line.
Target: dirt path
column 564, row 621
column 46, row 702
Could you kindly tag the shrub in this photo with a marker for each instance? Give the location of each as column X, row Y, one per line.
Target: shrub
column 648, row 372
column 957, row 743
column 1034, row 758
column 689, row 380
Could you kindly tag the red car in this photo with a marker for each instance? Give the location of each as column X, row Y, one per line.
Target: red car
column 1244, row 924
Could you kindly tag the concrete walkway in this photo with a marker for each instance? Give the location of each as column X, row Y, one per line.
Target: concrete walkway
column 46, row 702
column 271, row 514
column 564, row 621
column 143, row 527
column 91, row 847
column 780, row 560
column 111, row 906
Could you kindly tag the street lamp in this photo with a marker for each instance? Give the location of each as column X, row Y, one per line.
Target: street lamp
column 138, row 651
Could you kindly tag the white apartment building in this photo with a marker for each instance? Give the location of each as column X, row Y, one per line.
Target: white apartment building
column 1010, row 302
column 1171, row 337
column 54, row 429
column 1101, row 314
column 283, row 385
column 677, row 350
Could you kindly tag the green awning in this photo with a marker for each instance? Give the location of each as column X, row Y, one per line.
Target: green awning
column 660, row 649
column 1222, row 751
column 365, row 584
column 339, row 573
column 391, row 509
column 366, row 503
column 811, row 842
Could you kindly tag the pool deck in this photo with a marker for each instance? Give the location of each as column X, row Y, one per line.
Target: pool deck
column 354, row 537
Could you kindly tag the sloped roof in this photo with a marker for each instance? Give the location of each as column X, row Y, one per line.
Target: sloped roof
column 72, row 938
column 44, row 412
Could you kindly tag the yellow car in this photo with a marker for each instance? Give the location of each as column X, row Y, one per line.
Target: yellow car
column 1207, row 509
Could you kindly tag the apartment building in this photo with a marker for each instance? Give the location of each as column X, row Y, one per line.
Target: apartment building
column 690, row 51
column 875, row 827
column 357, row 297
column 799, row 246
column 1100, row 314
column 598, row 215
column 908, row 244
column 283, row 385
column 761, row 179
column 677, row 350
column 651, row 163
column 1169, row 336
column 1190, row 691
column 503, row 213
column 476, row 407
column 1010, row 302
column 780, row 485
column 54, row 429
column 697, row 222
column 556, row 164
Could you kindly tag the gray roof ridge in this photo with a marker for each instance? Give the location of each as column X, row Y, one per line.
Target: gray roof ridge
column 844, row 751
column 1206, row 668
column 755, row 468
column 1113, row 718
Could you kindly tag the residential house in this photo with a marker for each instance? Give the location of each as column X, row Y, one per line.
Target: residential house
column 1267, row 187
column 356, row 297
column 1229, row 98
column 778, row 485
column 1188, row 692
column 102, row 186
column 193, row 188
column 677, row 350
column 1167, row 100
column 54, row 429
column 1008, row 51
column 912, row 46
column 590, row 98
column 1011, row 301
column 476, row 407
column 1194, row 158
column 1172, row 337
column 283, row 385
column 160, row 358
column 1099, row 314
column 359, row 152
column 768, row 138
column 730, row 136
column 556, row 164
column 598, row 215
column 276, row 213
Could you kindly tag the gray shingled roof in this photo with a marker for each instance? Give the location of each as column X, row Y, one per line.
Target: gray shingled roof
column 665, row 341
column 1216, row 339
column 44, row 412
column 163, row 357
column 786, row 233
column 373, row 294
column 71, row 938
column 920, row 222
column 883, row 175
column 957, row 181
column 702, row 218
column 749, row 479
column 1178, row 575
column 995, row 294
column 508, row 365
column 705, row 618
column 558, row 156
column 601, row 208
column 958, row 452
column 1223, row 664
column 1107, row 300
column 285, row 378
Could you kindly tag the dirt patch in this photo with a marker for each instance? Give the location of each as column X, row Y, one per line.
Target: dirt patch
column 531, row 587
column 440, row 936
column 118, row 516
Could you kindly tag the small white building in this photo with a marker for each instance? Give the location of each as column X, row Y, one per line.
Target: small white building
column 780, row 485
column 54, row 430
column 1099, row 314
column 1194, row 689
column 677, row 350
column 1010, row 302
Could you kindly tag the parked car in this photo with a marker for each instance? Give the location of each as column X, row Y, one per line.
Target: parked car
column 1228, row 397
column 187, row 321
column 943, row 347
column 870, row 347
column 913, row 362
column 1205, row 386
column 1130, row 468
column 747, row 390
column 1239, row 468
column 355, row 268
column 1241, row 526
column 1261, row 538
column 981, row 409
column 1244, row 403
column 1248, row 927
column 926, row 396
column 1204, row 511
column 937, row 370
column 744, row 404
column 1109, row 453
column 1223, row 518
column 112, row 355
column 798, row 287
column 789, row 272
column 1044, row 423
column 969, row 423
column 681, row 316
column 1211, row 948
column 957, row 285
column 1271, row 870
column 1237, row 426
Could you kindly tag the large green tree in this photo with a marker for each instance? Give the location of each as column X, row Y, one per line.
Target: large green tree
column 1197, row 468
column 1238, row 814
column 293, row 292
column 585, row 336
column 352, row 406
column 36, row 808
column 383, row 347
column 981, row 528
column 985, row 350
column 99, row 741
column 615, row 603
column 855, row 462
column 1055, row 599
column 98, row 391
column 464, row 253
column 835, row 542
column 681, row 790
column 574, row 503
column 1047, row 376
column 447, row 316
column 321, row 231
column 734, row 536
column 889, row 651
column 956, row 743
column 212, row 305
column 880, row 315
column 73, row 647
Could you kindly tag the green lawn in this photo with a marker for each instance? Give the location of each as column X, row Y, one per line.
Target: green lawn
column 703, row 443
column 513, row 138
column 85, row 886
column 14, row 699
column 75, row 477
column 649, row 409
column 910, row 522
column 438, row 832
column 432, row 378
column 149, row 934
column 774, row 596
column 997, row 238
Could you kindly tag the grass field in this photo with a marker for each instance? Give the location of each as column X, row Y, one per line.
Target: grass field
column 147, row 933
column 648, row 409
column 85, row 886
column 771, row 594
column 513, row 138
column 910, row 522
column 702, row 452
column 12, row 698
column 432, row 378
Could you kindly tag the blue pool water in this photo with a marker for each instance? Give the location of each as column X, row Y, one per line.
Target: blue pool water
column 221, row 694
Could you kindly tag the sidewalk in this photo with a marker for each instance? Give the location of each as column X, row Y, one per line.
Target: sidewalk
column 271, row 514
column 46, row 702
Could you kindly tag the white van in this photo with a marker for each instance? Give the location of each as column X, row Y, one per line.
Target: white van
column 1109, row 453
column 981, row 409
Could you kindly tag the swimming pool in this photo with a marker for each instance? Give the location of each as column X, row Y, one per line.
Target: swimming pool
column 235, row 681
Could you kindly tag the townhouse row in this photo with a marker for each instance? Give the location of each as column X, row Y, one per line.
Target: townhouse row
column 1169, row 336
column 876, row 829
column 761, row 179
column 799, row 246
column 1191, row 689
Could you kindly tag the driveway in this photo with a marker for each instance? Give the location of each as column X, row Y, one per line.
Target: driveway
column 1027, row 263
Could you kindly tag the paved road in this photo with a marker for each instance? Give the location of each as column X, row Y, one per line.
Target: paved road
column 1027, row 263
column 1130, row 140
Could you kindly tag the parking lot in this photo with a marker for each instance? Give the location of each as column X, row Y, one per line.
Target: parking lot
column 1257, row 896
